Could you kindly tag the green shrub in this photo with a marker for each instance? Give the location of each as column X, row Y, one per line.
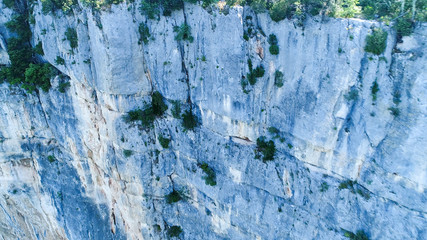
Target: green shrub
column 376, row 43
column 158, row 105
column 268, row 149
column 127, row 153
column 63, row 87
column 273, row 130
column 347, row 184
column 59, row 60
column 258, row 6
column 71, row 35
column 150, row 8
column 24, row 69
column 245, row 36
column 324, row 187
column 51, row 158
column 346, row 9
column 352, row 95
column 183, row 33
column 404, row 27
column 280, row 10
column 9, row 3
column 396, row 97
column 174, row 231
column 374, row 90
column 259, row 71
column 360, row 235
column 250, row 66
column 210, row 178
column 189, row 120
column 19, row 24
column 37, row 75
column 50, row 6
column 394, row 111
column 272, row 39
column 39, row 49
column 173, row 197
column 251, row 78
column 274, row 49
column 176, row 109
column 164, row 141
column 278, row 78
column 144, row 33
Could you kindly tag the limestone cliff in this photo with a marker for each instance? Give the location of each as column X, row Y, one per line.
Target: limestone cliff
column 341, row 162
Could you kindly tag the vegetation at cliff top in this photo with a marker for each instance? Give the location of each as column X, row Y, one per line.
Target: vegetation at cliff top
column 25, row 70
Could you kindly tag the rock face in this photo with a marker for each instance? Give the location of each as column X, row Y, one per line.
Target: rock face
column 63, row 169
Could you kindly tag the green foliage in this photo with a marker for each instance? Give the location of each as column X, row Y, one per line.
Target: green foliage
column 272, row 39
column 71, row 35
column 51, row 158
column 189, row 120
column 144, row 33
column 127, row 153
column 37, row 75
column 396, row 97
column 376, row 43
column 176, row 109
column 347, row 184
column 24, row 70
column 98, row 4
column 259, row 71
column 360, row 235
column 39, row 49
column 346, row 8
column 404, row 27
column 374, row 90
column 352, row 95
column 278, row 78
column 273, row 130
column 245, row 36
column 50, row 6
column 63, row 87
column 251, row 78
column 324, row 187
column 274, row 49
column 394, row 111
column 259, row 6
column 158, row 105
column 150, row 8
column 59, row 60
column 174, row 231
column 173, row 197
column 280, row 10
column 147, row 116
column 19, row 24
column 183, row 33
column 268, row 149
column 9, row 3
column 164, row 141
column 210, row 178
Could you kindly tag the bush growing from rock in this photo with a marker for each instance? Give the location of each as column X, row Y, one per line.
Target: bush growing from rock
column 71, row 35
column 183, row 33
column 189, row 120
column 376, row 43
